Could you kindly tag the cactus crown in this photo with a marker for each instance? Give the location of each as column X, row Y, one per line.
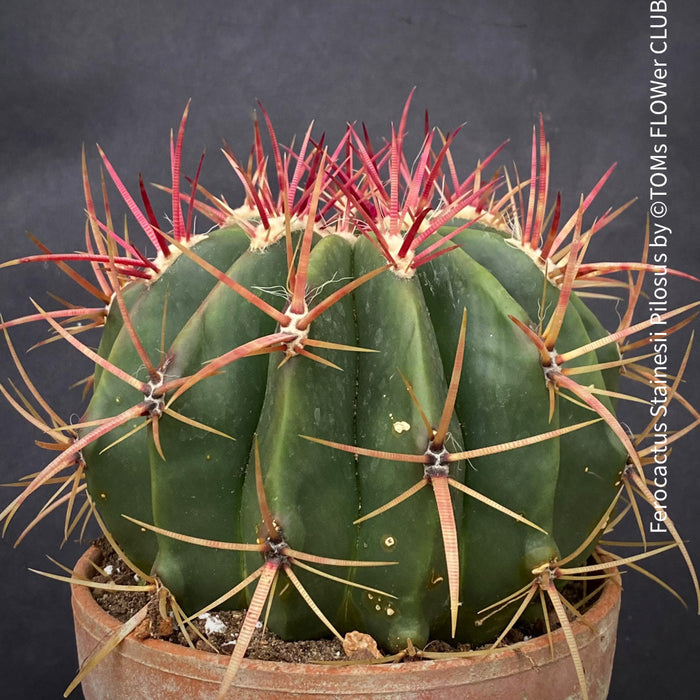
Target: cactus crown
column 382, row 369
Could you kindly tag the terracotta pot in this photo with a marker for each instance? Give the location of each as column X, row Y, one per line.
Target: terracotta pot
column 144, row 670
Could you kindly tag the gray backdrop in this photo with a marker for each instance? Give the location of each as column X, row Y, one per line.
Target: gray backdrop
column 120, row 73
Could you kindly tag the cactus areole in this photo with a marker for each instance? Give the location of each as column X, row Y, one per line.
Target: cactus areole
column 375, row 398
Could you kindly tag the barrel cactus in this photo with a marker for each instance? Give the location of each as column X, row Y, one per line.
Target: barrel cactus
column 379, row 382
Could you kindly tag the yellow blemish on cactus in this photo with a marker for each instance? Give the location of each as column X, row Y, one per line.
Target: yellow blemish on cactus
column 389, row 542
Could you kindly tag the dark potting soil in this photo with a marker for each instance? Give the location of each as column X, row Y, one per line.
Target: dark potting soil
column 218, row 631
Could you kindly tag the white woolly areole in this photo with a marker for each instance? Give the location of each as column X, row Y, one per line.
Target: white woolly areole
column 485, row 217
column 241, row 215
column 403, row 267
column 261, row 237
column 163, row 262
column 553, row 269
column 292, row 328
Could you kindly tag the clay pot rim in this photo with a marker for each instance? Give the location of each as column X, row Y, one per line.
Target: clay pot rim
column 608, row 599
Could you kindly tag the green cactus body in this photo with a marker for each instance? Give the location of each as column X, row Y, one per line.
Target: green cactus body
column 393, row 319
column 374, row 401
column 119, row 478
column 298, row 394
column 314, row 503
column 200, row 481
column 206, row 486
column 497, row 553
column 592, row 459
